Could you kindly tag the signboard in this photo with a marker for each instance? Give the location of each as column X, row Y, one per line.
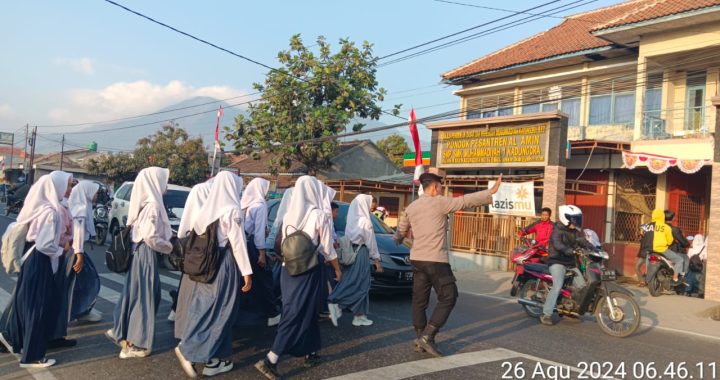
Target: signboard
column 6, row 138
column 495, row 147
column 513, row 199
column 409, row 159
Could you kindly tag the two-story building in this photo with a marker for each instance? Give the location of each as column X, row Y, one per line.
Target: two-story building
column 634, row 82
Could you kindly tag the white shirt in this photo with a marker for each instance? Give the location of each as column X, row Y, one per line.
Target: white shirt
column 366, row 237
column 79, row 234
column 256, row 224
column 146, row 229
column 230, row 230
column 320, row 233
column 42, row 230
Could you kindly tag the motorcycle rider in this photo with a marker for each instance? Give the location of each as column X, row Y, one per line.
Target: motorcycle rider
column 566, row 237
column 680, row 242
column 542, row 228
column 662, row 241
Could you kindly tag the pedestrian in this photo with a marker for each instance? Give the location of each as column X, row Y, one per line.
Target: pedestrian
column 541, row 228
column 647, row 237
column 207, row 334
column 428, row 218
column 134, row 316
column 353, row 292
column 192, row 210
column 299, row 333
column 261, row 297
column 275, row 260
column 697, row 266
column 662, row 241
column 31, row 314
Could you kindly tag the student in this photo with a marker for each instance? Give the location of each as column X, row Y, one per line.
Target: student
column 299, row 333
column 87, row 281
column 32, row 311
column 193, row 207
column 207, row 335
column 134, row 315
column 354, row 292
column 261, row 298
column 275, row 261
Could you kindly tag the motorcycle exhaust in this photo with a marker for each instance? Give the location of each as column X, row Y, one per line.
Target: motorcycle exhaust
column 530, row 303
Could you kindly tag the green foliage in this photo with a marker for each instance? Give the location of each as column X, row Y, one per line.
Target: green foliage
column 312, row 95
column 395, row 148
column 170, row 147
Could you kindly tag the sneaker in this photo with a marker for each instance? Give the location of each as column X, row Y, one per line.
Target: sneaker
column 92, row 316
column 361, row 321
column 61, row 343
column 7, row 344
column 186, row 365
column 216, row 367
column 133, row 352
column 546, row 320
column 44, row 363
column 171, row 316
column 335, row 313
column 274, row 321
column 268, row 369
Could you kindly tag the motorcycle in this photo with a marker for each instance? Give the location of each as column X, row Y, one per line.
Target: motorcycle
column 614, row 307
column 100, row 218
column 659, row 275
column 13, row 205
column 528, row 252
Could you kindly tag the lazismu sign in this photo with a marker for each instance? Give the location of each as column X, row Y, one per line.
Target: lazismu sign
column 513, row 199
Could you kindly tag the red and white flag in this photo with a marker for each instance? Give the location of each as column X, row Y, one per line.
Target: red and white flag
column 416, row 141
column 217, row 128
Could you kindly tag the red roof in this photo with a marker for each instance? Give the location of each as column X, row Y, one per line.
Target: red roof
column 6, row 150
column 574, row 34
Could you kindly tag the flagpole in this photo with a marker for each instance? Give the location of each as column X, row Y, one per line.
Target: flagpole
column 212, row 170
column 216, row 146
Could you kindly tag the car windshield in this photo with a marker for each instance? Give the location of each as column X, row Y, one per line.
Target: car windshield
column 175, row 202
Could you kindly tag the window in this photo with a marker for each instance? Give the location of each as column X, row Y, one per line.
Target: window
column 124, row 192
column 572, row 108
column 695, row 101
column 612, row 101
column 554, row 98
column 490, row 106
column 531, row 108
column 549, row 107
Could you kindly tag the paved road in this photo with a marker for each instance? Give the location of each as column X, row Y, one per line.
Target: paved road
column 486, row 338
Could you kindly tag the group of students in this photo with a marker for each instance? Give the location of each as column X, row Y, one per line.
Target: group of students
column 48, row 282
column 57, row 281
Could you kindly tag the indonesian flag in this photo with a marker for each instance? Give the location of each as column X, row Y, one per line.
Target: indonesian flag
column 217, row 128
column 416, row 141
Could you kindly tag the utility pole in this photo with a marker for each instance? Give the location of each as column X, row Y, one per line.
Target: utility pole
column 62, row 152
column 31, row 178
column 27, row 135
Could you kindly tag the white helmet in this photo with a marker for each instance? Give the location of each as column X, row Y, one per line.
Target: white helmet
column 570, row 214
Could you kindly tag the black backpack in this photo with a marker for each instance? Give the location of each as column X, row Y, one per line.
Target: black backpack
column 299, row 252
column 200, row 255
column 119, row 254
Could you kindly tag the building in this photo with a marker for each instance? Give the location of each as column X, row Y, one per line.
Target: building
column 11, row 163
column 73, row 162
column 635, row 83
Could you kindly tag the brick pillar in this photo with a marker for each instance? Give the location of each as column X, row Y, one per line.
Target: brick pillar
column 712, row 276
column 554, row 188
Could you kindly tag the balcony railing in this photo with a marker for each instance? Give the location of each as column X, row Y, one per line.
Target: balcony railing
column 656, row 128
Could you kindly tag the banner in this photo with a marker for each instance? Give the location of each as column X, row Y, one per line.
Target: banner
column 513, row 199
column 657, row 164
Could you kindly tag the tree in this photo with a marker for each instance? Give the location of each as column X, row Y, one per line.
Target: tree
column 170, row 147
column 394, row 147
column 310, row 96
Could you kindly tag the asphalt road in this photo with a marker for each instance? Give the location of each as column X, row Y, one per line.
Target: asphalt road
column 486, row 338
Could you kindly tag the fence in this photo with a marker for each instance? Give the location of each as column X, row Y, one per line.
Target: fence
column 487, row 234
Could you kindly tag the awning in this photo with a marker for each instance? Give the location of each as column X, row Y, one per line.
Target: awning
column 659, row 164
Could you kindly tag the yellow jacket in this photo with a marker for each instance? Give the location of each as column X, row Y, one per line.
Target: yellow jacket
column 663, row 237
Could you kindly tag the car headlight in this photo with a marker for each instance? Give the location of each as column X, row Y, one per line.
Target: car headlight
column 101, row 212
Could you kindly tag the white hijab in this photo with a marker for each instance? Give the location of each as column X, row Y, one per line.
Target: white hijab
column 47, row 193
column 80, row 203
column 308, row 195
column 358, row 219
column 254, row 193
column 149, row 187
column 193, row 206
column 224, row 197
column 282, row 209
column 699, row 247
column 328, row 194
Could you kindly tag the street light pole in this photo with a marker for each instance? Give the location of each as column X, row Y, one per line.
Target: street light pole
column 62, row 152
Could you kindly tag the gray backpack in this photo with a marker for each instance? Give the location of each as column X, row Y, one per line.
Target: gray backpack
column 299, row 252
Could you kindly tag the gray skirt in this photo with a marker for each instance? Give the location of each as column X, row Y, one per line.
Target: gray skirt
column 209, row 313
column 139, row 301
column 353, row 291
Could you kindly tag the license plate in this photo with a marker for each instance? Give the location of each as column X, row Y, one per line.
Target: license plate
column 609, row 275
column 408, row 276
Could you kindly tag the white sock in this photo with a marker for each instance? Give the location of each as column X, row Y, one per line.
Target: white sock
column 273, row 357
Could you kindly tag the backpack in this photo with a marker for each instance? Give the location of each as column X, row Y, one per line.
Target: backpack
column 200, row 255
column 346, row 253
column 119, row 254
column 13, row 245
column 696, row 264
column 299, row 252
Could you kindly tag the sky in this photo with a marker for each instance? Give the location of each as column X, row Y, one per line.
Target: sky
column 66, row 62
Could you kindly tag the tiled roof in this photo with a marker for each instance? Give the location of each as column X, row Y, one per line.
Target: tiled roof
column 574, row 34
column 657, row 9
column 6, row 151
column 246, row 164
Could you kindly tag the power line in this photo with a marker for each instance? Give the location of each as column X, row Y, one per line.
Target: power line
column 513, row 11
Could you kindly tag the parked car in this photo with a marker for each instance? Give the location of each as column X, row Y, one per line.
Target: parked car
column 397, row 273
column 174, row 200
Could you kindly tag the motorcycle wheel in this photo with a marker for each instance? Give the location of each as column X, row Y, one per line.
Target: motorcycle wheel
column 101, row 236
column 528, row 291
column 627, row 315
column 655, row 287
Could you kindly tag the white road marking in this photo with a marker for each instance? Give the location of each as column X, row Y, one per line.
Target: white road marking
column 426, row 366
